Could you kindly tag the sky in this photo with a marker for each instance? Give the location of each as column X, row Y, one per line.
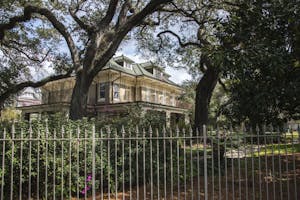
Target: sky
column 130, row 50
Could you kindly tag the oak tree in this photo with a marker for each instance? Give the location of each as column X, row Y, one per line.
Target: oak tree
column 78, row 37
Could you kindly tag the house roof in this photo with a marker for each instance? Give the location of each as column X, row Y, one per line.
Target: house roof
column 138, row 70
column 122, row 57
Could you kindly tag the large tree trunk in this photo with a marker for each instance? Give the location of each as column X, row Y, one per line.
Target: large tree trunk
column 204, row 92
column 78, row 105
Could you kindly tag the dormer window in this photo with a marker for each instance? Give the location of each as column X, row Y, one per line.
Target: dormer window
column 127, row 65
column 120, row 62
column 124, row 64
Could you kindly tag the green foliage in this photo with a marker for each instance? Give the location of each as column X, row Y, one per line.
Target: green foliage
column 264, row 83
column 10, row 114
column 70, row 160
column 134, row 117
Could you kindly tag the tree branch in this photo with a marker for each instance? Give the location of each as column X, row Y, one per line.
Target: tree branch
column 123, row 13
column 15, row 20
column 18, row 87
column 131, row 22
column 185, row 13
column 182, row 44
column 28, row 11
column 26, row 54
column 109, row 14
column 82, row 25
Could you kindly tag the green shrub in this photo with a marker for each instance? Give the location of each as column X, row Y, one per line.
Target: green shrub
column 70, row 160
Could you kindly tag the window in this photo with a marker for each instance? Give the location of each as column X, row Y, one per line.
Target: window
column 167, row 98
column 127, row 93
column 161, row 98
column 116, row 91
column 101, row 94
column 153, row 96
column 172, row 100
column 146, row 94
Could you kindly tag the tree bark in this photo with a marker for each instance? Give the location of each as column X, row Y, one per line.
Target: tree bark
column 204, row 92
column 78, row 107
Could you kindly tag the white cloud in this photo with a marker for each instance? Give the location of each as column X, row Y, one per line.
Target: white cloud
column 178, row 75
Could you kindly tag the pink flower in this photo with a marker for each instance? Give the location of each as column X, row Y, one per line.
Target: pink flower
column 89, row 178
column 87, row 188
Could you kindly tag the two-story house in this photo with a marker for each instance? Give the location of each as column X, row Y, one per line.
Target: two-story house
column 120, row 84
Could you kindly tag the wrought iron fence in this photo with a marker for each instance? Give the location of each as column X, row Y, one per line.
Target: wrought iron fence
column 38, row 163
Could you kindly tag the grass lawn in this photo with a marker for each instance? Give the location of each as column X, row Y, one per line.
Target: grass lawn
column 278, row 149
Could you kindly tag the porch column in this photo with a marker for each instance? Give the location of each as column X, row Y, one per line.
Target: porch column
column 168, row 119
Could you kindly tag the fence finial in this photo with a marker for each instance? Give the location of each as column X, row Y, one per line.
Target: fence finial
column 177, row 131
column 231, row 129
column 137, row 131
column 150, row 129
column 123, row 131
column 257, row 129
column 108, row 131
column 190, row 131
column 129, row 133
column 164, row 131
column 101, row 133
column 144, row 133
column 171, row 133
column 218, row 131
column 62, row 131
column 157, row 133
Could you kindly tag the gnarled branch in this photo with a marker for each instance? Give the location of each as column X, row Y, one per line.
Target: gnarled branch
column 182, row 44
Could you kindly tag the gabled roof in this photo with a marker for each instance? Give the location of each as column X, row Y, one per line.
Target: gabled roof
column 122, row 57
